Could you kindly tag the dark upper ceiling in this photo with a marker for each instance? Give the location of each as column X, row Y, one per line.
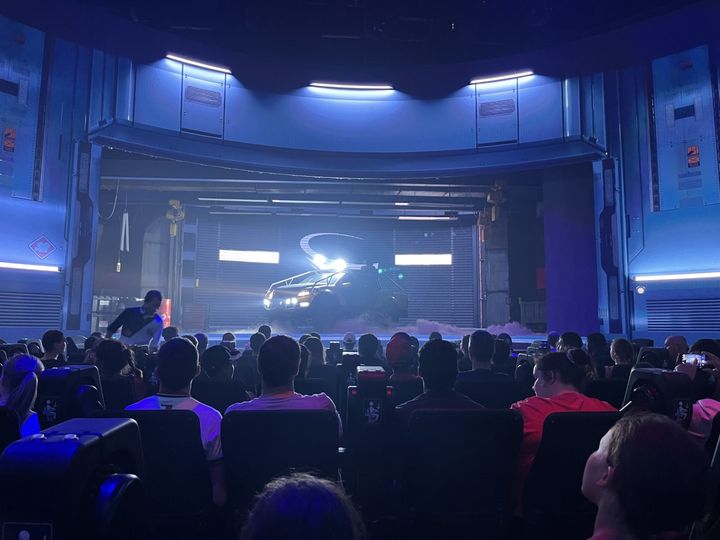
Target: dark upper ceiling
column 385, row 31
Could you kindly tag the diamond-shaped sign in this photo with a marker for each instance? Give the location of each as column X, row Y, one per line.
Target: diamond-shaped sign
column 42, row 247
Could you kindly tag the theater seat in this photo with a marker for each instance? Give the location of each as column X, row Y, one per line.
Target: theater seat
column 9, row 427
column 610, row 390
column 495, row 394
column 553, row 505
column 261, row 445
column 176, row 477
column 458, row 469
column 219, row 394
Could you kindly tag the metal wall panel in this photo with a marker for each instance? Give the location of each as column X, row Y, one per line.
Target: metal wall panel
column 158, row 91
column 497, row 114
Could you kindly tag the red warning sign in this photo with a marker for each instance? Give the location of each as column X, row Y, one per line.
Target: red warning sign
column 693, row 156
column 42, row 247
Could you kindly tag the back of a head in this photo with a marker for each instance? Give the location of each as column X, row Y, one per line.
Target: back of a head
column 316, row 335
column 177, row 364
column 90, row 342
column 501, row 354
column 368, row 345
column 570, row 340
column 465, row 344
column 316, row 350
column 112, row 357
column 303, row 338
column 302, row 507
column 152, row 296
column 623, row 350
column 265, row 330
column 20, row 382
column 256, row 341
column 553, row 338
column 562, row 366
column 434, row 335
column 585, row 362
column 192, row 339
column 401, row 335
column 399, row 354
column 279, row 361
column 596, row 343
column 438, row 364
column 349, row 341
column 659, row 474
column 229, row 337
column 506, row 338
column 170, row 332
column 215, row 361
column 51, row 339
column 706, row 345
column 481, row 346
column 202, row 342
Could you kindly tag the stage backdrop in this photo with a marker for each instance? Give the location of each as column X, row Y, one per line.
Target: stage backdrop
column 229, row 294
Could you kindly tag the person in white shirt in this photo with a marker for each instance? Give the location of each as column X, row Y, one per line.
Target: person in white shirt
column 140, row 325
column 278, row 365
column 178, row 365
column 18, row 390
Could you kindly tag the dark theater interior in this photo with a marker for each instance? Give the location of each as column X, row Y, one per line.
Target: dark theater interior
column 360, row 270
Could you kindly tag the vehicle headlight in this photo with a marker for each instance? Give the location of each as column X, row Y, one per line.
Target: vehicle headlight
column 270, row 295
column 266, row 302
column 304, row 294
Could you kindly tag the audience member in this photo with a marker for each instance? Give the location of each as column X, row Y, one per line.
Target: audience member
column 278, row 364
column 18, row 390
column 89, row 349
column 228, row 341
column 303, row 338
column 506, row 338
column 192, row 339
column 481, row 349
column 246, row 363
column 434, row 335
column 706, row 387
column 265, row 330
column 623, row 355
column 170, row 332
column 675, row 346
column 597, row 348
column 557, row 389
column 438, row 369
column 569, row 340
column 315, row 335
column 115, row 359
column 552, row 339
column 368, row 351
column 216, row 364
column 53, row 342
column 349, row 342
column 178, row 365
column 202, row 340
column 501, row 359
column 304, row 359
column 584, row 362
column 464, row 363
column 316, row 357
column 648, row 479
column 400, row 355
column 302, row 507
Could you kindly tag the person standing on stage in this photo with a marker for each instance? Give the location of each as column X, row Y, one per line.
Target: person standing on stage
column 140, row 325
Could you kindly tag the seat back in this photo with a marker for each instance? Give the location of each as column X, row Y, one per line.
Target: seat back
column 177, row 478
column 9, row 427
column 610, row 390
column 308, row 387
column 328, row 373
column 261, row 445
column 553, row 504
column 494, row 393
column 219, row 394
column 461, row 462
column 119, row 392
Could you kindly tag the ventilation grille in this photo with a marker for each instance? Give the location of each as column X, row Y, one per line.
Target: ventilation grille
column 30, row 310
column 497, row 108
column 692, row 315
column 201, row 95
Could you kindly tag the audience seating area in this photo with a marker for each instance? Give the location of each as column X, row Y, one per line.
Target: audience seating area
column 448, row 472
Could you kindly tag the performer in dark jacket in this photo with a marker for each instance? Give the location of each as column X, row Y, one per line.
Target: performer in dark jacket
column 140, row 325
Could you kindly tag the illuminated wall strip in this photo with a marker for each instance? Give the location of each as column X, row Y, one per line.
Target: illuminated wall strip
column 196, row 63
column 221, row 199
column 427, row 218
column 677, row 277
column 423, row 259
column 32, row 267
column 262, row 257
column 347, row 86
column 507, row 76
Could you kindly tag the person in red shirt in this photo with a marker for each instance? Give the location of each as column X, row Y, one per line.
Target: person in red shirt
column 558, row 379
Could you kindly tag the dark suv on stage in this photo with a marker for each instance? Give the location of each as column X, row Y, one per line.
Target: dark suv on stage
column 322, row 297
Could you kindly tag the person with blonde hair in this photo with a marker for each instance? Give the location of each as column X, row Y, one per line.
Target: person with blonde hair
column 18, row 390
